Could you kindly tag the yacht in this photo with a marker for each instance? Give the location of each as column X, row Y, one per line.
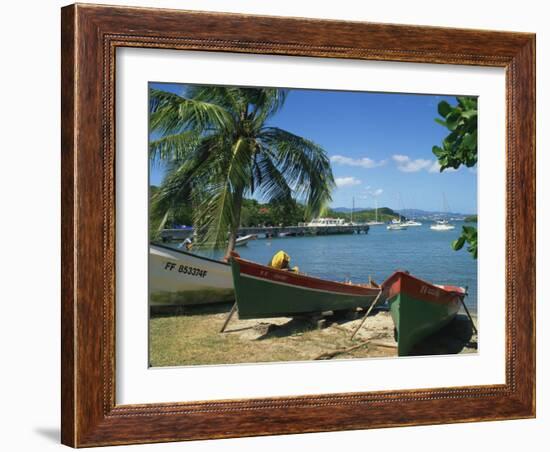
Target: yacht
column 375, row 222
column 442, row 225
column 412, row 223
column 396, row 225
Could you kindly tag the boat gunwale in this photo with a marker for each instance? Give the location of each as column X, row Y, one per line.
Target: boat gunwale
column 338, row 286
column 401, row 273
column 187, row 253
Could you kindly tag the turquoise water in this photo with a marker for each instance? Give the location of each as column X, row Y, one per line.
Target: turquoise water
column 424, row 253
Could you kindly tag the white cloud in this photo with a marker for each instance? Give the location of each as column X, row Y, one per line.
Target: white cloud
column 408, row 165
column 369, row 193
column 363, row 162
column 349, row 181
column 435, row 168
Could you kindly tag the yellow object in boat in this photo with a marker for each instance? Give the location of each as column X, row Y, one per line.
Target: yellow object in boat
column 280, row 260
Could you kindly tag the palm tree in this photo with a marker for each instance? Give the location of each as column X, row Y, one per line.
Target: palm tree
column 219, row 148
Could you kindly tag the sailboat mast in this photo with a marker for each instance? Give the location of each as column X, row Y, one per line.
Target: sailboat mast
column 352, row 207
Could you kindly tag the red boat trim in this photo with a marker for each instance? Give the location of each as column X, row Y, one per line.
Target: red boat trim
column 256, row 271
column 310, row 289
column 401, row 282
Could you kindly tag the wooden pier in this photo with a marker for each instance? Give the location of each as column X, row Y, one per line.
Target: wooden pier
column 277, row 231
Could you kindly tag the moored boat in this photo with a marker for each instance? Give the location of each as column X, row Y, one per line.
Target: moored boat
column 419, row 308
column 396, row 227
column 412, row 223
column 242, row 241
column 442, row 225
column 263, row 292
column 178, row 278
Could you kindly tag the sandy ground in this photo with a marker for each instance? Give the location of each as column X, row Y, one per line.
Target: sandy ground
column 192, row 337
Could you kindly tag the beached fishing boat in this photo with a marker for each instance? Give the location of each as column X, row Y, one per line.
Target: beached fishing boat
column 419, row 308
column 179, row 278
column 263, row 292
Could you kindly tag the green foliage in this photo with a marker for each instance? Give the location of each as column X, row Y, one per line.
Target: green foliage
column 469, row 236
column 460, row 146
column 471, row 219
column 385, row 214
column 272, row 214
column 219, row 149
column 167, row 216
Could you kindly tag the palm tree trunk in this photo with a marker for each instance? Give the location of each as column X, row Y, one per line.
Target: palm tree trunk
column 233, row 230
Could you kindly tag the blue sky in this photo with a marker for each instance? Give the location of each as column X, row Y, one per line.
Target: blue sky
column 379, row 145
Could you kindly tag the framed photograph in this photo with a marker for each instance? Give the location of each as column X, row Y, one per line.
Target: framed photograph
column 281, row 225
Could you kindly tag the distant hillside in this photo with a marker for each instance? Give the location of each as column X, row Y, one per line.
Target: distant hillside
column 405, row 212
column 341, row 209
column 419, row 213
column 363, row 215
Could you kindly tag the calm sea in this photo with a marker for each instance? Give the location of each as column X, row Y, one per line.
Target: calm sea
column 424, row 253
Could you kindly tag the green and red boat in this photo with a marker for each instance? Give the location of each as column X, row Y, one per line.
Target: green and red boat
column 419, row 308
column 263, row 292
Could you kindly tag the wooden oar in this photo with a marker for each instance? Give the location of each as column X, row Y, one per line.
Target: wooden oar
column 231, row 313
column 468, row 312
column 367, row 314
column 329, row 355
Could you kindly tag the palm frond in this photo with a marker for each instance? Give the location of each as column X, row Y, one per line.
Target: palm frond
column 271, row 184
column 170, row 113
column 182, row 174
column 176, row 146
column 227, row 97
column 215, row 212
column 266, row 102
column 304, row 164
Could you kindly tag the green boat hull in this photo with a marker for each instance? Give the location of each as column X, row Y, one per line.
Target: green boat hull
column 259, row 298
column 416, row 319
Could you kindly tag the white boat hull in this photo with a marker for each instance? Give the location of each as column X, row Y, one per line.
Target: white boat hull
column 441, row 227
column 242, row 241
column 396, row 227
column 178, row 278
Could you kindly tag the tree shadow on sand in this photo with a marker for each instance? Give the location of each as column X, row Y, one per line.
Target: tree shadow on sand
column 302, row 324
column 291, row 328
column 452, row 339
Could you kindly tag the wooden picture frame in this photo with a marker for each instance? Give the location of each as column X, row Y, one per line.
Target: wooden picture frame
column 90, row 36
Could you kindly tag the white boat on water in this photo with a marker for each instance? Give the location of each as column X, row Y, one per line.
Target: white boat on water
column 375, row 222
column 242, row 241
column 442, row 225
column 396, row 225
column 412, row 223
column 180, row 278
